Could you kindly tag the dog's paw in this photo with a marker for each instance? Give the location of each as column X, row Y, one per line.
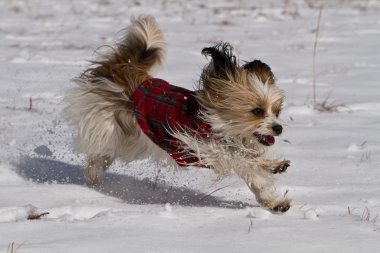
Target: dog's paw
column 281, row 167
column 281, row 207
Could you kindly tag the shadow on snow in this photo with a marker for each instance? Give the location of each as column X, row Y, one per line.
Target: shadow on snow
column 131, row 190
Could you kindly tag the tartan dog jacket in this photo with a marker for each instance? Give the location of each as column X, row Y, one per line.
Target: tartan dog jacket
column 161, row 108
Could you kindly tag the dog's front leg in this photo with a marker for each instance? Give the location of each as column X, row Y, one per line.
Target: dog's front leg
column 262, row 186
column 265, row 196
column 274, row 166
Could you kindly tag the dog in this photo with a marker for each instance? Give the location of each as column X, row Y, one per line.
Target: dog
column 227, row 124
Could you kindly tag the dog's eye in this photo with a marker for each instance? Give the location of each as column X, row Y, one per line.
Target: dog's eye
column 258, row 112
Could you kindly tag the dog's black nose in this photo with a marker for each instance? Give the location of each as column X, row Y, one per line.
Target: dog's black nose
column 277, row 129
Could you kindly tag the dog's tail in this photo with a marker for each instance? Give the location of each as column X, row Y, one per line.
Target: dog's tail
column 131, row 61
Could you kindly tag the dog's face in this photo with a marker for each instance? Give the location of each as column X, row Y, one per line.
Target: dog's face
column 242, row 102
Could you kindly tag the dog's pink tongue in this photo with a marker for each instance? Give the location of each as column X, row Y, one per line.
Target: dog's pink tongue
column 269, row 139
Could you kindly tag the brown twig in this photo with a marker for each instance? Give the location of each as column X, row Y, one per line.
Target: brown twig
column 36, row 216
column 30, row 103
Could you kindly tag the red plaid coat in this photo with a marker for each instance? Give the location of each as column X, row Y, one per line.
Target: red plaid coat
column 160, row 108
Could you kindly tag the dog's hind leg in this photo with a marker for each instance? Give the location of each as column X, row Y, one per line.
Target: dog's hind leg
column 96, row 166
column 103, row 114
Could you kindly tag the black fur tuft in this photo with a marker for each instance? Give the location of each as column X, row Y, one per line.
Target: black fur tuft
column 256, row 64
column 223, row 61
column 261, row 70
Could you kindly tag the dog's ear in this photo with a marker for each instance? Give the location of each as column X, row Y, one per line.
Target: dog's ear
column 261, row 70
column 223, row 62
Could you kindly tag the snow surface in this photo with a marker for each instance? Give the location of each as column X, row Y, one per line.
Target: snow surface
column 334, row 179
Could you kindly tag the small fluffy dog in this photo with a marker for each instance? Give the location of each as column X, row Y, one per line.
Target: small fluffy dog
column 226, row 125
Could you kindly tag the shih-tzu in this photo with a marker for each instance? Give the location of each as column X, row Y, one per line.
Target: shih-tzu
column 226, row 124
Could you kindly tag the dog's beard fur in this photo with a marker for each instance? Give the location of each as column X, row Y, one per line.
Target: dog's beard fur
column 227, row 92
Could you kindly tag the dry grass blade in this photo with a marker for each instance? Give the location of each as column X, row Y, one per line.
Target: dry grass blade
column 250, row 226
column 366, row 215
column 366, row 156
column 12, row 248
column 363, row 144
column 374, row 219
column 314, row 55
column 327, row 106
column 208, row 195
column 30, row 103
column 157, row 178
column 286, row 193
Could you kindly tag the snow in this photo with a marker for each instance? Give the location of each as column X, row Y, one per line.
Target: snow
column 334, row 177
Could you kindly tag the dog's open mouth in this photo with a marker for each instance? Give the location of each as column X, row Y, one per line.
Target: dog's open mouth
column 267, row 140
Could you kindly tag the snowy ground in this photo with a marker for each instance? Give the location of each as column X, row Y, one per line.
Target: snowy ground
column 334, row 179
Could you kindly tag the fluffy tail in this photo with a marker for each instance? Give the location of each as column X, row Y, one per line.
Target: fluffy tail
column 100, row 104
column 131, row 61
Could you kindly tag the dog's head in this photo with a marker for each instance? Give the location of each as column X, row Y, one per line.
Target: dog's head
column 242, row 103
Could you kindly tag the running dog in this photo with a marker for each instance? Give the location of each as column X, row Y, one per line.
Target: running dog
column 227, row 124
